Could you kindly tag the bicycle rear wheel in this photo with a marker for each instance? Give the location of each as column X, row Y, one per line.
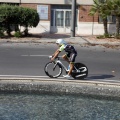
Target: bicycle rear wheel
column 83, row 71
column 53, row 70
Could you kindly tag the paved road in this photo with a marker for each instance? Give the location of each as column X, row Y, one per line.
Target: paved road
column 29, row 59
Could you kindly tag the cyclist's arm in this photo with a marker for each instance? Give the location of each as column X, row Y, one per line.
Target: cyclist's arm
column 55, row 54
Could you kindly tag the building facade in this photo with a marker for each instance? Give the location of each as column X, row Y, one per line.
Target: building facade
column 55, row 16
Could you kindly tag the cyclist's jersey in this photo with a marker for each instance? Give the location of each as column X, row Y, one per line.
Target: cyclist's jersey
column 68, row 48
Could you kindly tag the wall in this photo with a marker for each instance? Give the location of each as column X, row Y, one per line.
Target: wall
column 88, row 28
column 87, row 25
column 43, row 27
column 84, row 14
column 83, row 2
column 34, row 6
column 10, row 1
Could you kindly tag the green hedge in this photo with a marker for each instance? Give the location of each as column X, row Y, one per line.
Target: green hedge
column 15, row 16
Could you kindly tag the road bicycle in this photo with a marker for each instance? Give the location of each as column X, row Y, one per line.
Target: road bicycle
column 55, row 68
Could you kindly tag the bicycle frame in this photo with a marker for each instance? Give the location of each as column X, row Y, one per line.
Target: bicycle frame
column 64, row 67
column 60, row 63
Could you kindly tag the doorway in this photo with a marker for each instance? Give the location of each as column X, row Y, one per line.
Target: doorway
column 61, row 20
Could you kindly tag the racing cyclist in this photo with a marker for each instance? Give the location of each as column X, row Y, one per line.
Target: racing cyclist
column 70, row 55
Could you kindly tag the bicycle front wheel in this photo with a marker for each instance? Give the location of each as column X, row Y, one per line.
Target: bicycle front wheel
column 53, row 70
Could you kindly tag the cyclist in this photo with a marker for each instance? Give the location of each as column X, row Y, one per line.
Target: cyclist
column 70, row 55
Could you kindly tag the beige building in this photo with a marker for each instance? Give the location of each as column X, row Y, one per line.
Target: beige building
column 55, row 16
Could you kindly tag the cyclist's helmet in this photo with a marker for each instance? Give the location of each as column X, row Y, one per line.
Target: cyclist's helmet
column 60, row 41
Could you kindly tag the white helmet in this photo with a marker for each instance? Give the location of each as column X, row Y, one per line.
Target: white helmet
column 60, row 41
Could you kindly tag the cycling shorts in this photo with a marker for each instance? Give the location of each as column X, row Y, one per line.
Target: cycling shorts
column 71, row 57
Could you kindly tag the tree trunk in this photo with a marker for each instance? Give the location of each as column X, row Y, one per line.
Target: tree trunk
column 16, row 28
column 117, row 25
column 105, row 26
column 8, row 29
column 26, row 31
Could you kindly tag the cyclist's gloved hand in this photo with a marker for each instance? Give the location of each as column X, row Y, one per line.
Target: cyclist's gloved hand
column 52, row 59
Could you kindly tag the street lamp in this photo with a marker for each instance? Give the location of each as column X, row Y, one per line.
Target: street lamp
column 73, row 18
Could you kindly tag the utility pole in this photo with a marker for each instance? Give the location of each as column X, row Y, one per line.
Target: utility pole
column 20, row 1
column 73, row 18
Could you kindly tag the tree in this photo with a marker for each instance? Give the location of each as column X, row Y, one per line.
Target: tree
column 5, row 14
column 114, row 7
column 28, row 18
column 100, row 8
column 105, row 8
column 15, row 16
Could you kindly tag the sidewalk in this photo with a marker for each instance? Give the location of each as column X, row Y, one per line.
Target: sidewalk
column 51, row 38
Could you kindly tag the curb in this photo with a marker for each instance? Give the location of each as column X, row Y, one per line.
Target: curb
column 60, row 86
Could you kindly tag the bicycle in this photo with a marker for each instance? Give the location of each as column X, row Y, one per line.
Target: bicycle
column 55, row 68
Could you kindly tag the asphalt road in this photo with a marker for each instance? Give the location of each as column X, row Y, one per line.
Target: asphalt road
column 29, row 59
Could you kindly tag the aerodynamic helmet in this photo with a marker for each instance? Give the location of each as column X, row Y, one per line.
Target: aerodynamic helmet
column 60, row 41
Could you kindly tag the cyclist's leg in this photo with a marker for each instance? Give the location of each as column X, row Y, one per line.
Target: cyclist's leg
column 72, row 60
column 71, row 68
column 66, row 57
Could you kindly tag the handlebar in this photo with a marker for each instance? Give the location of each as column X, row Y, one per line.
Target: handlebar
column 50, row 57
column 55, row 58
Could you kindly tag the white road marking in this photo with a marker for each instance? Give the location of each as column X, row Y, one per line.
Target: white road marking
column 35, row 55
column 22, row 76
column 26, row 76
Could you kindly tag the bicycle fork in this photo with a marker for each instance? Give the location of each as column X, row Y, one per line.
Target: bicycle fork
column 55, row 65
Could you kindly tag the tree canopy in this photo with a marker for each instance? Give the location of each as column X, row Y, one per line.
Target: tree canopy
column 106, row 8
column 12, row 15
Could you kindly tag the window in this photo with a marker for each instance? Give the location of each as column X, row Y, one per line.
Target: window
column 68, row 18
column 61, row 15
column 110, row 19
column 42, row 11
column 59, row 18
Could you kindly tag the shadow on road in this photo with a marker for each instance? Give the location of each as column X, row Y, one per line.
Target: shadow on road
column 100, row 76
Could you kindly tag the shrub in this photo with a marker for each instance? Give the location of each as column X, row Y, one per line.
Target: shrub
column 117, row 36
column 101, row 37
column 104, row 36
column 18, row 34
column 7, row 16
column 29, row 18
column 1, row 34
column 108, row 35
column 1, row 31
column 15, row 15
